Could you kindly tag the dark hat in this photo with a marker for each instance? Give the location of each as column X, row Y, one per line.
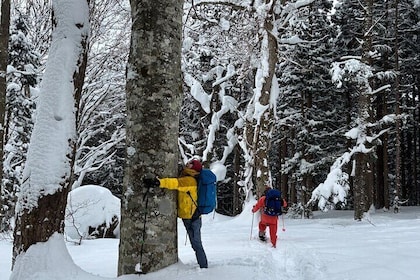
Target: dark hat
column 196, row 165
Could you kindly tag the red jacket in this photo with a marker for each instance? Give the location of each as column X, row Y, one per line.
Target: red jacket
column 266, row 219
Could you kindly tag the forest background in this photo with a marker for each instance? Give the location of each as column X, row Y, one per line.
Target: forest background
column 337, row 123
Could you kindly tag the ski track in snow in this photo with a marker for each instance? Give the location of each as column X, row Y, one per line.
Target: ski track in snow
column 261, row 260
column 301, row 264
column 330, row 246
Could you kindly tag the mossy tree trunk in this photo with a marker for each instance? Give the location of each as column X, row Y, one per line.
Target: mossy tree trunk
column 148, row 240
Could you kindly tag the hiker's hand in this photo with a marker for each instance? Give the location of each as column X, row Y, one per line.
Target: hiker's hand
column 151, row 182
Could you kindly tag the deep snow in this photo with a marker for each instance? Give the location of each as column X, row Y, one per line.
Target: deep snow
column 332, row 245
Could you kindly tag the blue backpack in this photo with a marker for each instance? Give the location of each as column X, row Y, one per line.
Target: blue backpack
column 206, row 191
column 273, row 203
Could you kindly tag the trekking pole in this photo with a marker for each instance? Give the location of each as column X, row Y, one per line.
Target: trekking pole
column 186, row 237
column 252, row 225
column 282, row 219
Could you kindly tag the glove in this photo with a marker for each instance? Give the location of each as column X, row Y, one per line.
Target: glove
column 151, row 182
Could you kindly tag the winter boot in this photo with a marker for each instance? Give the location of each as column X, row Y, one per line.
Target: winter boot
column 261, row 235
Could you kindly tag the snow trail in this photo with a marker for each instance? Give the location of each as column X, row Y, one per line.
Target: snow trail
column 330, row 246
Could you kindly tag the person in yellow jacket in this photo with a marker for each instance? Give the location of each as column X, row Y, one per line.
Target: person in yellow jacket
column 186, row 185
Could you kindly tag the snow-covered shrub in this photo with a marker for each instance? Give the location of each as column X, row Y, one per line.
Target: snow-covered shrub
column 92, row 212
column 299, row 211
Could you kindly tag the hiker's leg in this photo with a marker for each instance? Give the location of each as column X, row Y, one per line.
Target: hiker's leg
column 262, row 226
column 273, row 233
column 195, row 238
column 261, row 233
column 188, row 227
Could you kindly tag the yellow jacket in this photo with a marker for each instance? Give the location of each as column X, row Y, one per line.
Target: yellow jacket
column 186, row 185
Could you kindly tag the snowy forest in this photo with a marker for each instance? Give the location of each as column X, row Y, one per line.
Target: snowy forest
column 319, row 99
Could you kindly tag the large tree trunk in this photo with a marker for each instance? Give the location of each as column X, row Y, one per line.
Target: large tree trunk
column 48, row 171
column 398, row 137
column 4, row 44
column 362, row 185
column 236, row 202
column 260, row 121
column 148, row 239
column 363, row 178
column 288, row 193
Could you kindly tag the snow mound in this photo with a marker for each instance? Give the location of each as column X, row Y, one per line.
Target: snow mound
column 48, row 260
column 90, row 206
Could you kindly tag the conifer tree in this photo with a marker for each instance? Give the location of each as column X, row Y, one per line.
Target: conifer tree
column 309, row 106
column 22, row 77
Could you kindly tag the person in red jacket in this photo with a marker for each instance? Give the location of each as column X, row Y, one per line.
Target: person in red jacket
column 267, row 220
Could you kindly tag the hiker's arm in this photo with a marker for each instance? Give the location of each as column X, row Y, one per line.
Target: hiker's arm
column 169, row 183
column 182, row 184
column 259, row 204
column 187, row 184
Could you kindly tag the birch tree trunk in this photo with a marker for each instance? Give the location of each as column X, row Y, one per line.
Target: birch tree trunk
column 48, row 171
column 148, row 240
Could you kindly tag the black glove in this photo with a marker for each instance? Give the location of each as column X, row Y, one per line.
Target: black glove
column 151, row 182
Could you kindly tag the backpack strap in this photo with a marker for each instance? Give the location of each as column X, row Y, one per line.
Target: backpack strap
column 197, row 213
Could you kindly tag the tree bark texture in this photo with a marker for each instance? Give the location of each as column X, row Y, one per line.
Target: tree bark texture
column 363, row 177
column 363, row 184
column 259, row 130
column 398, row 124
column 4, row 44
column 41, row 223
column 148, row 240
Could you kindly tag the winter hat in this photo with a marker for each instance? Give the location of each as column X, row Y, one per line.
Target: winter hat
column 196, row 165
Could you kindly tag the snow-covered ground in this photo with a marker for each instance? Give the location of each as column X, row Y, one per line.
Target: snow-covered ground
column 385, row 246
